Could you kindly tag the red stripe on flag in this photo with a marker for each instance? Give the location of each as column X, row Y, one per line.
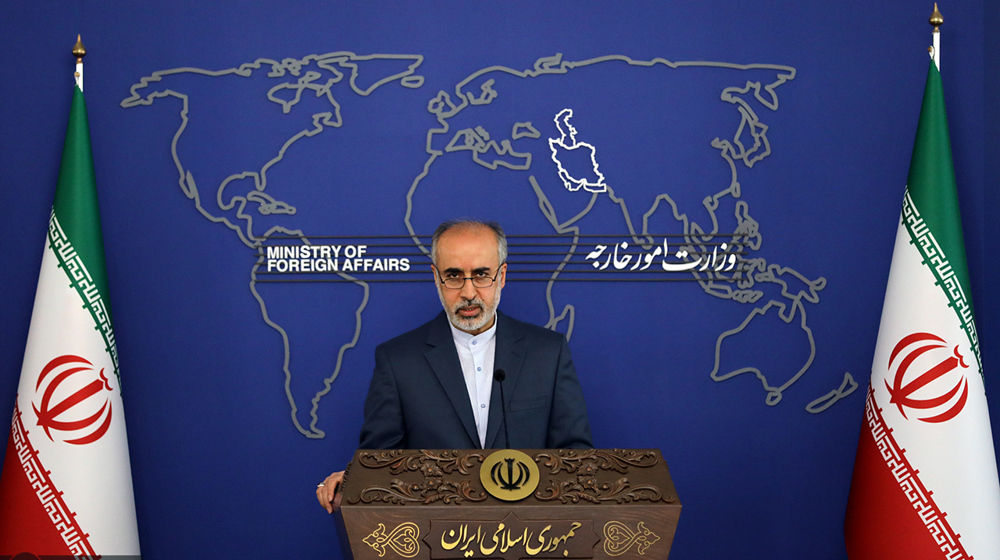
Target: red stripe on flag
column 34, row 516
column 890, row 514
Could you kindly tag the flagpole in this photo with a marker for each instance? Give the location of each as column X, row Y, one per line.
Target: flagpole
column 936, row 20
column 66, row 484
column 925, row 479
column 79, row 51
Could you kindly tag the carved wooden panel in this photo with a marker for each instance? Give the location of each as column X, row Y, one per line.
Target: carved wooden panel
column 443, row 504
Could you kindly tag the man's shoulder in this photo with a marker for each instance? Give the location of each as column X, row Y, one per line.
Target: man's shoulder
column 436, row 331
column 531, row 331
column 417, row 337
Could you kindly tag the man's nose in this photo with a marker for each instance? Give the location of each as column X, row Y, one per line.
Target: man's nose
column 468, row 290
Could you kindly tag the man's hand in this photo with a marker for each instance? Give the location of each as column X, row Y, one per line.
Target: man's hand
column 328, row 492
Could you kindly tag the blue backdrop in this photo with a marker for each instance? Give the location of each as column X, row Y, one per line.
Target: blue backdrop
column 784, row 129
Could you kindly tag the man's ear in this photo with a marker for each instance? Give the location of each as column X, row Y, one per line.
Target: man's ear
column 503, row 275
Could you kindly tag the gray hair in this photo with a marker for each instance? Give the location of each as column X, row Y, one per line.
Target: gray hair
column 467, row 222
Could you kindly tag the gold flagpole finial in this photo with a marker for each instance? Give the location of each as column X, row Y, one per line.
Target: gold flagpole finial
column 79, row 51
column 936, row 19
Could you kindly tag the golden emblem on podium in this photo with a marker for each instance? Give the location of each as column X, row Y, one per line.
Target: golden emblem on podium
column 402, row 540
column 509, row 475
column 619, row 538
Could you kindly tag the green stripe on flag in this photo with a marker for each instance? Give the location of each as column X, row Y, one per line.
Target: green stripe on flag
column 76, row 197
column 82, row 281
column 945, row 276
column 931, row 182
column 75, row 227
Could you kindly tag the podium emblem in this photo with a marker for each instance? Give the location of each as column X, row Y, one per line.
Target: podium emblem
column 509, row 475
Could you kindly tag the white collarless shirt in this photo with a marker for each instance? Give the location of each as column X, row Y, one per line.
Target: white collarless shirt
column 476, row 354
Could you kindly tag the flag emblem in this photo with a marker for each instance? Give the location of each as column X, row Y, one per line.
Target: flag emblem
column 913, row 385
column 74, row 399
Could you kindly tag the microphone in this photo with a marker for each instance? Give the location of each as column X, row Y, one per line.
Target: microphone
column 498, row 376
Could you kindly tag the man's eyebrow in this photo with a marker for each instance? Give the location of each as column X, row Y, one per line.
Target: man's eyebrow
column 456, row 270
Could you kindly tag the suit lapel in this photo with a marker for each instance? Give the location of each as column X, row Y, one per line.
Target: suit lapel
column 509, row 357
column 443, row 359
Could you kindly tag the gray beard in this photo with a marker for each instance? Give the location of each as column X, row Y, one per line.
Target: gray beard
column 473, row 323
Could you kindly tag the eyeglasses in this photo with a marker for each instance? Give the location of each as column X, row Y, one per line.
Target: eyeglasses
column 458, row 282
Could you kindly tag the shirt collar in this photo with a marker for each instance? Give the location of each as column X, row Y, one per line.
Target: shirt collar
column 464, row 338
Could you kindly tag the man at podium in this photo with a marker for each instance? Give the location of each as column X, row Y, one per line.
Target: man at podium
column 438, row 386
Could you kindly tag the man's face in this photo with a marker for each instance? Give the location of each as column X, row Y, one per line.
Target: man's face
column 469, row 252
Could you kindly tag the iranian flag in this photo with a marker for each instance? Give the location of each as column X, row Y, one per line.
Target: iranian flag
column 66, row 486
column 925, row 477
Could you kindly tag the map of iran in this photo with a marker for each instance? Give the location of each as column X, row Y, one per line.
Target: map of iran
column 531, row 122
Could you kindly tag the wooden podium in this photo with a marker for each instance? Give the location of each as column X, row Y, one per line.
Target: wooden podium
column 536, row 503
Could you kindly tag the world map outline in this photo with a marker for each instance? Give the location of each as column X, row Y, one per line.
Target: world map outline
column 749, row 145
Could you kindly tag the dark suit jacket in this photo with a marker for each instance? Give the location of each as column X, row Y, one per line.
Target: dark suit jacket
column 418, row 398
